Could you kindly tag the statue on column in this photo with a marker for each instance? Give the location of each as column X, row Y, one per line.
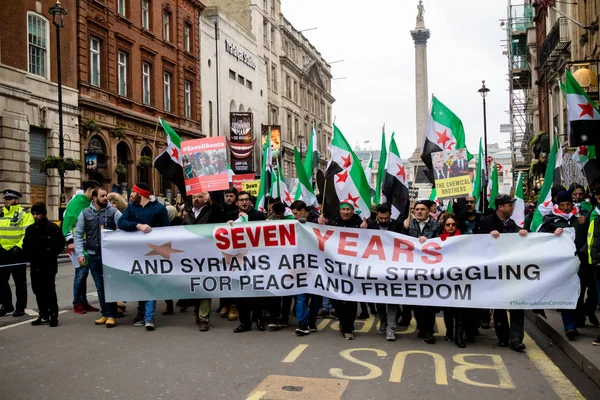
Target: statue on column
column 421, row 8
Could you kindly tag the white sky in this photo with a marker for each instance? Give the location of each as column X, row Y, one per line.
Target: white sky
column 374, row 40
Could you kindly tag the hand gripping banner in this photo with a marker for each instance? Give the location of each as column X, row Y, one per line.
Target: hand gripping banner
column 280, row 258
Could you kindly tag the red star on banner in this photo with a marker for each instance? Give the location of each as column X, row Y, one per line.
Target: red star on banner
column 347, row 162
column 586, row 109
column 175, row 154
column 353, row 199
column 342, row 177
column 443, row 138
column 401, row 172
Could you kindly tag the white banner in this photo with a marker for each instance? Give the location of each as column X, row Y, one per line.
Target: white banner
column 279, row 258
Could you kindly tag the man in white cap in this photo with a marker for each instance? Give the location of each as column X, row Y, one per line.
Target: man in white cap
column 13, row 222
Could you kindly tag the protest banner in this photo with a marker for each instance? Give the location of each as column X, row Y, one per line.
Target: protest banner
column 205, row 165
column 451, row 174
column 237, row 181
column 252, row 187
column 280, row 258
column 241, row 142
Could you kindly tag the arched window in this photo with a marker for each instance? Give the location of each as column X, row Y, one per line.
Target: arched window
column 145, row 169
column 232, row 106
column 96, row 146
column 241, row 108
column 123, row 158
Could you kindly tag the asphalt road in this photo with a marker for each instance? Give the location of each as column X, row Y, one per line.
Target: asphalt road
column 79, row 360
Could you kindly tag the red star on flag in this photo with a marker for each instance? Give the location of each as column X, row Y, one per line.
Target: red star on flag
column 586, row 109
column 450, row 146
column 582, row 150
column 288, row 198
column 175, row 153
column 401, row 172
column 353, row 199
column 443, row 138
column 342, row 177
column 347, row 162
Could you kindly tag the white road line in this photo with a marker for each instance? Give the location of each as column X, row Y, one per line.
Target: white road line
column 92, row 294
column 31, row 312
column 24, row 322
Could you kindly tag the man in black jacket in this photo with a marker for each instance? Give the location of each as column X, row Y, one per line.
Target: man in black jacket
column 423, row 227
column 346, row 310
column 42, row 244
column 495, row 224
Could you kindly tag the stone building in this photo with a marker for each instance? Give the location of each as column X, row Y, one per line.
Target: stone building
column 137, row 61
column 29, row 100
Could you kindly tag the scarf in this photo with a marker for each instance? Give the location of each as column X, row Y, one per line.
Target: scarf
column 557, row 212
column 444, row 235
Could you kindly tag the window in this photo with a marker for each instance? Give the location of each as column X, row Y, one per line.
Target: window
column 187, row 87
column 289, row 126
column 121, row 6
column 295, row 92
column 265, row 4
column 273, row 38
column 187, row 28
column 146, row 70
column 274, row 77
column 166, row 26
column 296, row 126
column 232, row 74
column 94, row 61
column 37, row 34
column 241, row 80
column 265, row 30
column 122, row 73
column 248, row 84
column 272, row 8
column 288, row 87
column 267, row 73
column 167, row 87
column 210, row 118
column 146, row 14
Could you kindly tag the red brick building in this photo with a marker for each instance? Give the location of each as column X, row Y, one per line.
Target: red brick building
column 137, row 60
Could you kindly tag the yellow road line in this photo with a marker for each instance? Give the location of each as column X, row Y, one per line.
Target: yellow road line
column 294, row 354
column 560, row 384
column 256, row 396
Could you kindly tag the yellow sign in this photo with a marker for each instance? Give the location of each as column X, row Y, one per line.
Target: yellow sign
column 449, row 188
column 251, row 187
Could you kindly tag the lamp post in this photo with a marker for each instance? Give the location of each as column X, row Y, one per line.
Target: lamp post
column 58, row 12
column 300, row 142
column 483, row 92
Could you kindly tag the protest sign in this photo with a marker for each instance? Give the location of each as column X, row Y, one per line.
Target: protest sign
column 280, row 258
column 451, row 173
column 252, row 187
column 205, row 165
column 237, row 181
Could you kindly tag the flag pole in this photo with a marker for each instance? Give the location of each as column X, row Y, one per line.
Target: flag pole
column 154, row 149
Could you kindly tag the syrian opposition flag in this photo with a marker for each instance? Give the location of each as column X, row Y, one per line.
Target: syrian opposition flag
column 584, row 118
column 492, row 189
column 265, row 173
column 558, row 162
column 544, row 203
column 585, row 159
column 381, row 169
column 519, row 212
column 479, row 176
column 345, row 173
column 444, row 132
column 304, row 191
column 369, row 174
column 279, row 188
column 169, row 163
column 230, row 173
column 311, row 162
column 395, row 188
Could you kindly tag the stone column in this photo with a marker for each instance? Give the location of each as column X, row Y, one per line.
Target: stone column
column 420, row 36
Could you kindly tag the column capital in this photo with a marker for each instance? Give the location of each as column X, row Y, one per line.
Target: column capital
column 420, row 36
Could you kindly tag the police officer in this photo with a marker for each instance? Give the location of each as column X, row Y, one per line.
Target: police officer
column 13, row 223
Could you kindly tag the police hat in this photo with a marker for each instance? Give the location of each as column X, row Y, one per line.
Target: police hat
column 11, row 194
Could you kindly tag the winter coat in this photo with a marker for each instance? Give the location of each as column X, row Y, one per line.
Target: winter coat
column 42, row 244
column 353, row 222
column 153, row 214
column 89, row 224
column 430, row 230
column 209, row 214
column 493, row 222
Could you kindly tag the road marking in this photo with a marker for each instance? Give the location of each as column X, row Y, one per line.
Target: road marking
column 92, row 294
column 256, row 395
column 24, row 322
column 439, row 363
column 374, row 370
column 323, row 324
column 460, row 371
column 560, row 384
column 294, row 354
column 31, row 312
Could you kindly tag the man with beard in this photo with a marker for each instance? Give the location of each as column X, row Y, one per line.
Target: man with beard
column 203, row 211
column 143, row 215
column 99, row 215
column 346, row 310
column 228, row 308
column 248, row 306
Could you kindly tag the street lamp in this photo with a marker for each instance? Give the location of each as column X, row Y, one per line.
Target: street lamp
column 300, row 142
column 483, row 92
column 58, row 12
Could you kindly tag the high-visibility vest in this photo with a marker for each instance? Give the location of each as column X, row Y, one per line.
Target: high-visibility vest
column 12, row 226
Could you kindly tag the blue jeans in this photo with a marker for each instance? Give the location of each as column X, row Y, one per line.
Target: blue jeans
column 109, row 310
column 147, row 308
column 80, row 285
column 326, row 304
column 307, row 314
column 569, row 319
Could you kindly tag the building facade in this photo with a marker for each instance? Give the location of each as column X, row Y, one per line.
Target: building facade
column 137, row 61
column 29, row 100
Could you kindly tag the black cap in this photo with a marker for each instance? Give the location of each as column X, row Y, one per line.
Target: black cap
column 39, row 208
column 503, row 199
column 11, row 194
column 564, row 197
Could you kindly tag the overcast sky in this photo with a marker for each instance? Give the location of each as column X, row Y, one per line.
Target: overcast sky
column 374, row 40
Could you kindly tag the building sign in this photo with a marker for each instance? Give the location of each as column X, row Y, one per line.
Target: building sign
column 91, row 162
column 505, row 128
column 240, row 55
column 275, row 138
column 241, row 142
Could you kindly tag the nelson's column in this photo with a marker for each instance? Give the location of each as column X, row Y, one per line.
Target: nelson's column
column 420, row 35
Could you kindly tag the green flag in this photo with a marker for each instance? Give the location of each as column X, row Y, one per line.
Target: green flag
column 545, row 200
column 381, row 169
column 305, row 190
column 312, row 156
column 479, row 176
column 265, row 171
column 493, row 187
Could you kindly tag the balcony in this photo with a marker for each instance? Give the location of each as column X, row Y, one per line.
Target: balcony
column 555, row 43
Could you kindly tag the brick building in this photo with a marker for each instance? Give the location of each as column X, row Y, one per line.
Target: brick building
column 137, row 61
column 29, row 100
